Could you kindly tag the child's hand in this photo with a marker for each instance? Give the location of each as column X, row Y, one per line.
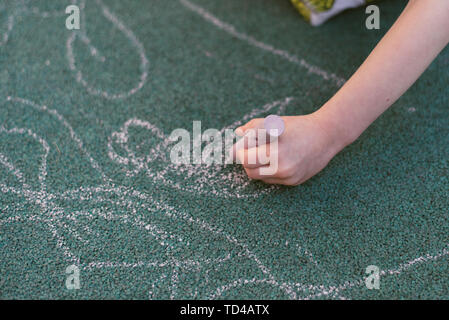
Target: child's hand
column 309, row 142
column 304, row 149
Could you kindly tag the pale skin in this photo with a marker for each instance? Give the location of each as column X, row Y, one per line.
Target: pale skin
column 309, row 142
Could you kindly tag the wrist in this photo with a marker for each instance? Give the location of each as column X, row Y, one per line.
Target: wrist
column 338, row 131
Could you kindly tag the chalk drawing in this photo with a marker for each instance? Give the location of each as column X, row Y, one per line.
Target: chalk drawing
column 63, row 225
column 56, row 219
column 24, row 8
column 117, row 23
column 137, row 206
column 217, row 180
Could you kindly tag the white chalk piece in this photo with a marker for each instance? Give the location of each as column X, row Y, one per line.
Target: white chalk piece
column 274, row 125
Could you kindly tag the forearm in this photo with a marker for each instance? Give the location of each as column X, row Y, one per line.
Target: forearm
column 408, row 48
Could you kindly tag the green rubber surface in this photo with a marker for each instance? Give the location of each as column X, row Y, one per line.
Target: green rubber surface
column 85, row 180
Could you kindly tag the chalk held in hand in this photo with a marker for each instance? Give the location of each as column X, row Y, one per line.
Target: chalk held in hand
column 274, row 125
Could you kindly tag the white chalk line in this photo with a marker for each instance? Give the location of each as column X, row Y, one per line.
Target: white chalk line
column 5, row 162
column 41, row 198
column 230, row 29
column 302, row 251
column 153, row 286
column 94, row 52
column 38, row 198
column 334, row 291
column 205, row 174
column 403, row 267
column 407, row 265
column 61, row 119
column 42, row 142
column 24, row 9
column 9, row 26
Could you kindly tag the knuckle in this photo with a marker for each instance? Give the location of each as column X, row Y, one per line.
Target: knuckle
column 253, row 122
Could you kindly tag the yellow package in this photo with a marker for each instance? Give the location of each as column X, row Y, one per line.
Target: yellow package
column 318, row 11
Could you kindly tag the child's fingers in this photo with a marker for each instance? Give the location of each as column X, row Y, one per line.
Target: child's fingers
column 253, row 134
column 254, row 157
column 254, row 173
column 251, row 139
column 248, row 141
column 253, row 124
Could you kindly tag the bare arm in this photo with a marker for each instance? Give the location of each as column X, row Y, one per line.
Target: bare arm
column 310, row 142
column 413, row 42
